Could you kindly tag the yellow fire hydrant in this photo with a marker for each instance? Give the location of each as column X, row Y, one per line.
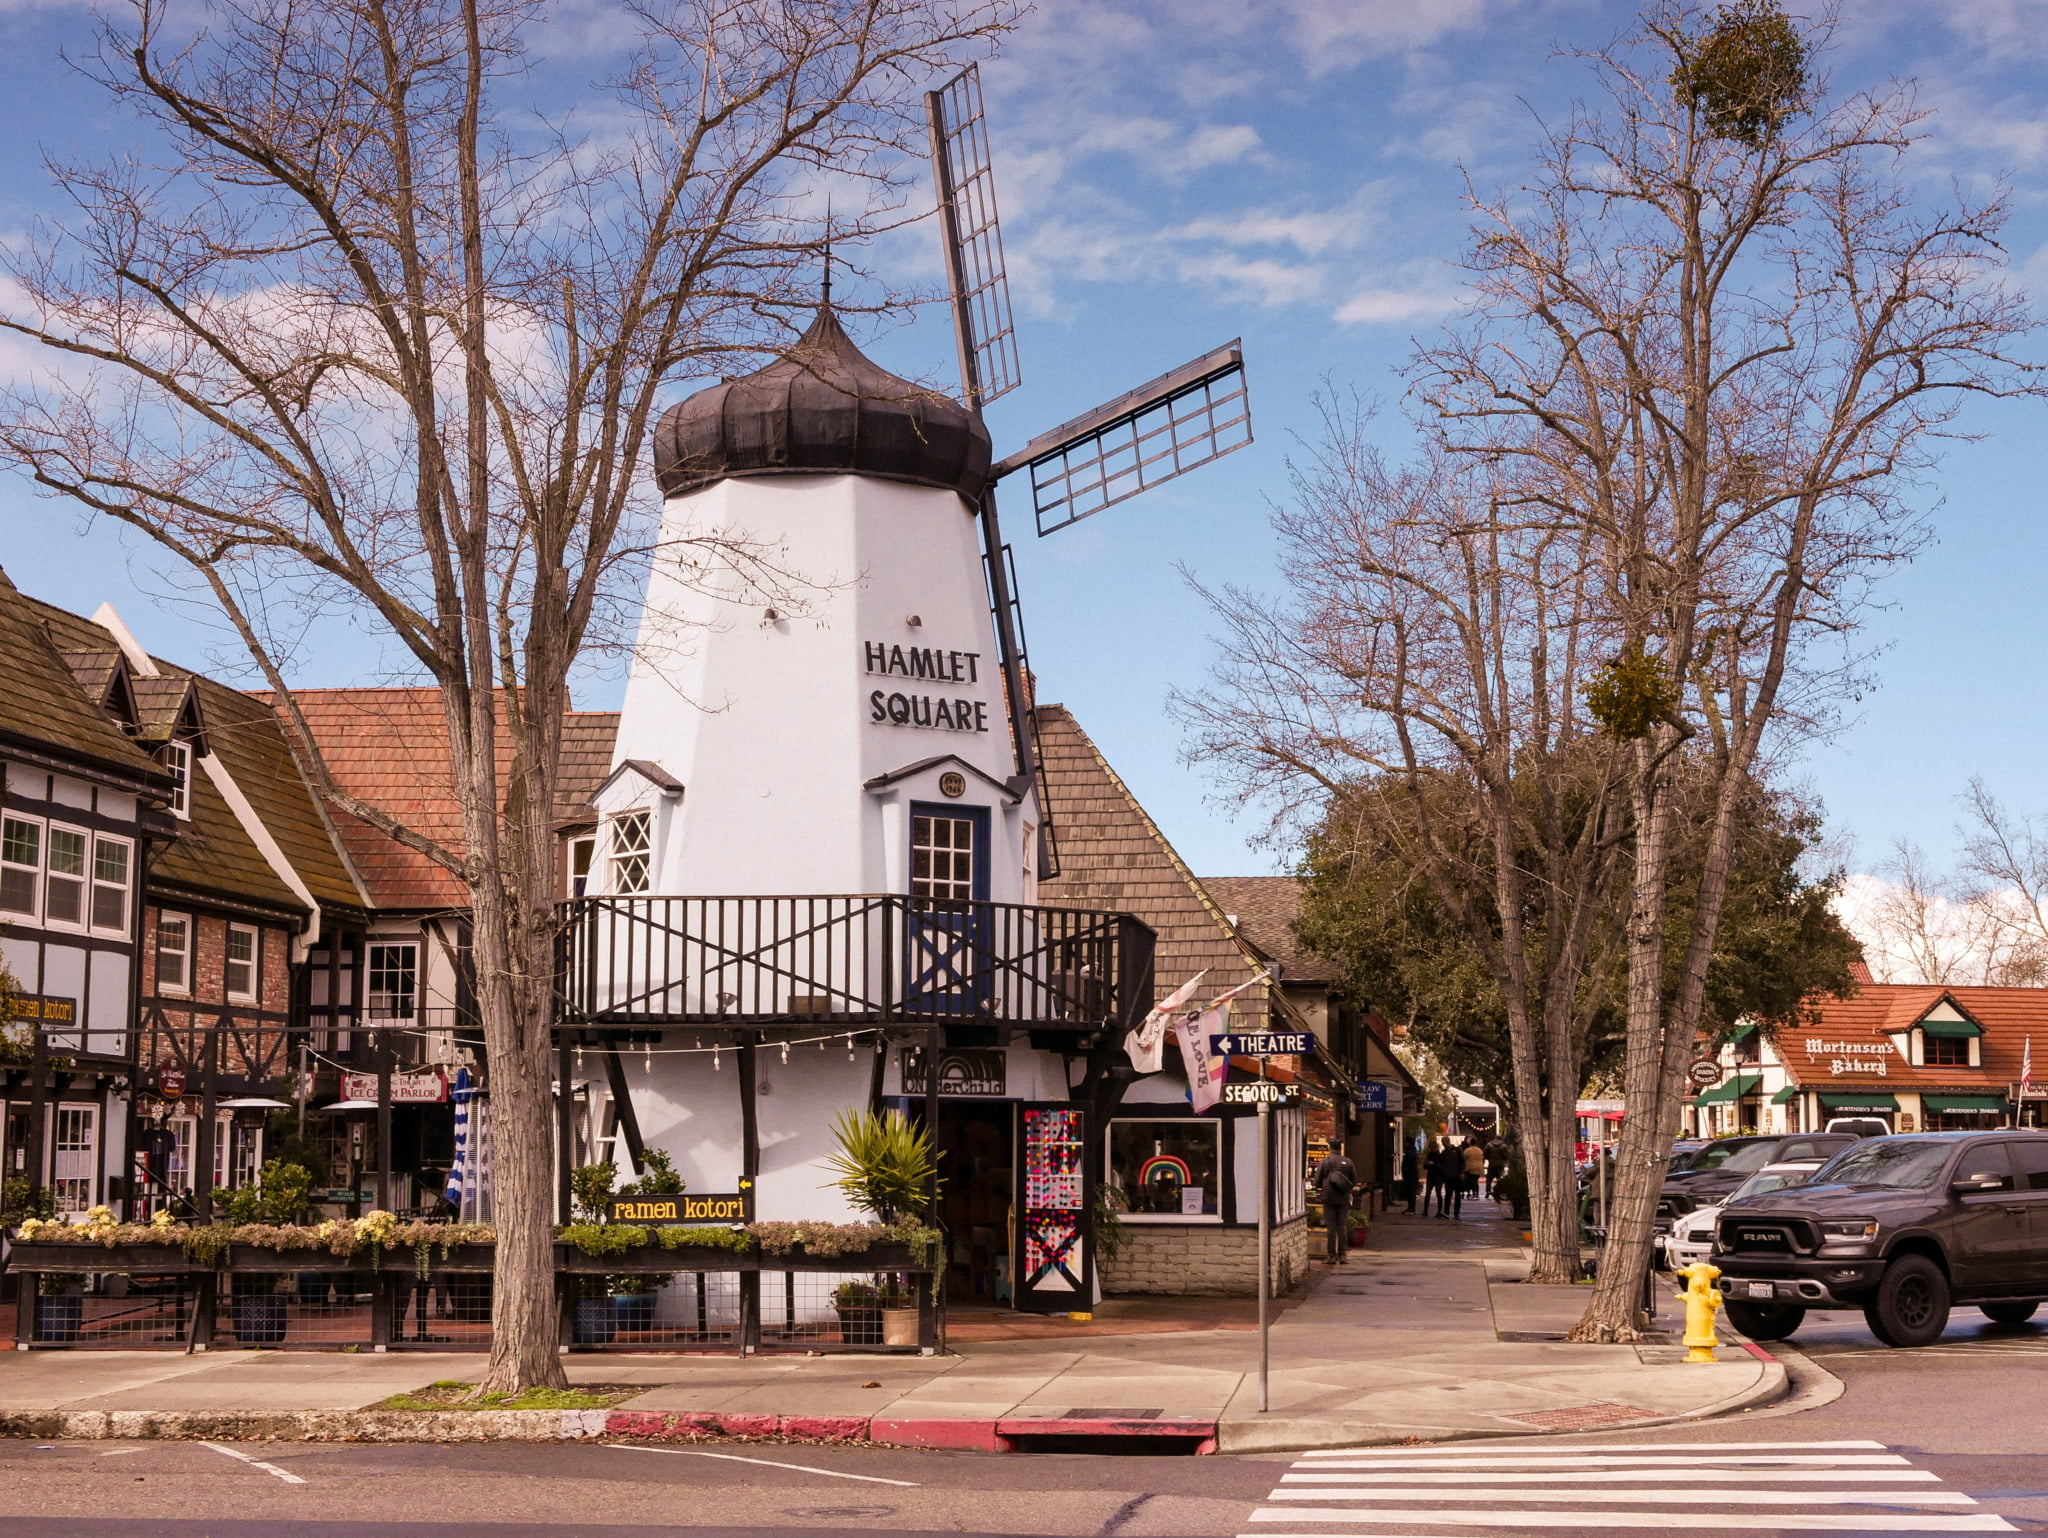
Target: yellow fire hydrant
column 1700, row 1299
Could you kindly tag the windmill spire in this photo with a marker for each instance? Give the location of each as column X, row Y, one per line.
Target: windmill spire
column 825, row 293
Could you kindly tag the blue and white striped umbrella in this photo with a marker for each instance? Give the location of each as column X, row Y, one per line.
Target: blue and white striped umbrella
column 459, row 1172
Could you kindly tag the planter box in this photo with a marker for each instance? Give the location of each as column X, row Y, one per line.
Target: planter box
column 461, row 1257
column 648, row 1258
column 246, row 1258
column 880, row 1257
column 62, row 1255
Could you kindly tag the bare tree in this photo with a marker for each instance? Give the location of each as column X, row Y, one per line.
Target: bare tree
column 375, row 336
column 1422, row 676
column 1717, row 335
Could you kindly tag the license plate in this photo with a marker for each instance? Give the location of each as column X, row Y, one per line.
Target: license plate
column 1762, row 1290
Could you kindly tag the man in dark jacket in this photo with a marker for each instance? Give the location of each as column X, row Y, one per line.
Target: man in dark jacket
column 1450, row 1171
column 1336, row 1178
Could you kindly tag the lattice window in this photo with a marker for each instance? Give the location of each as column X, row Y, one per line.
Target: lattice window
column 631, row 853
column 76, row 1151
column 942, row 857
column 21, row 865
column 241, row 953
column 173, row 953
column 394, row 981
column 110, row 864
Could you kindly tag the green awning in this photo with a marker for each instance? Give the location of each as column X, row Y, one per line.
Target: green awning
column 1743, row 1031
column 1842, row 1103
column 1742, row 1084
column 1962, row 1103
column 1951, row 1028
column 1786, row 1095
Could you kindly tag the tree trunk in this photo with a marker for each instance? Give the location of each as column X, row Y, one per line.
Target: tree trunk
column 525, row 1313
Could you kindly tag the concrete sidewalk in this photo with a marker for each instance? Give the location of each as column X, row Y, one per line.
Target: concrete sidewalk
column 1426, row 1335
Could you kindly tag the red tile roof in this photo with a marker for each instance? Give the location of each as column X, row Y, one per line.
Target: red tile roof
column 389, row 747
column 1857, row 1031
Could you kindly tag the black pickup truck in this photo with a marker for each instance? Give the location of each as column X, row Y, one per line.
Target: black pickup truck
column 1900, row 1228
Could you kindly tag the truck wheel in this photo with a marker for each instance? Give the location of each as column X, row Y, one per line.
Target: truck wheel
column 2008, row 1313
column 1765, row 1321
column 1911, row 1306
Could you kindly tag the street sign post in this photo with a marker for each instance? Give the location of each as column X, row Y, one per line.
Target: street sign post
column 1263, row 1044
column 1265, row 1233
column 1258, row 1092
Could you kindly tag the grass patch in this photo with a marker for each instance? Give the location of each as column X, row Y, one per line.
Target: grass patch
column 453, row 1394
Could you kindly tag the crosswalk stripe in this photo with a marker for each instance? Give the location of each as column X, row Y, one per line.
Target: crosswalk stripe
column 1788, row 1521
column 1863, row 1445
column 1359, row 1476
column 1658, row 1497
column 1613, row 1461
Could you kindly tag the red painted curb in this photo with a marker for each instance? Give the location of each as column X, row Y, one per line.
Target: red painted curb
column 970, row 1436
column 1757, row 1351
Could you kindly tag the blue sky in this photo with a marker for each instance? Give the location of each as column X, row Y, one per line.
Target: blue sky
column 1177, row 173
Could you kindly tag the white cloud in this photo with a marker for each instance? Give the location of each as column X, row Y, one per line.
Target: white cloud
column 1395, row 306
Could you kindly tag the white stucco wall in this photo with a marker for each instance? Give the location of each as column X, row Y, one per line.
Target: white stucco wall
column 770, row 724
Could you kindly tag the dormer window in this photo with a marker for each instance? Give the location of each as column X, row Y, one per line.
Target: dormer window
column 177, row 758
column 1945, row 1037
column 629, row 857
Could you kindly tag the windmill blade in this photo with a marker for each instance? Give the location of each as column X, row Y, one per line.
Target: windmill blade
column 1199, row 412
column 973, row 238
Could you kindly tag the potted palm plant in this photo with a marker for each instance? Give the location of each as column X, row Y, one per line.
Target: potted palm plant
column 886, row 1169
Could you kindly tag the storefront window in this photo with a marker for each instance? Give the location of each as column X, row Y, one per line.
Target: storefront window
column 1162, row 1169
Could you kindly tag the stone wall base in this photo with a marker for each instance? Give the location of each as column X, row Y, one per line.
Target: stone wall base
column 1205, row 1260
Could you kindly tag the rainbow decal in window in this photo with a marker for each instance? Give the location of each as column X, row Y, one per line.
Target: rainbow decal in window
column 1173, row 1162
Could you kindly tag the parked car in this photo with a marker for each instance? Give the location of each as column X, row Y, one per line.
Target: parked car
column 1716, row 1170
column 1902, row 1228
column 1692, row 1237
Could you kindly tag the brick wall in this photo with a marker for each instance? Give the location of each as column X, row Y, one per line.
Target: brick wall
column 1205, row 1260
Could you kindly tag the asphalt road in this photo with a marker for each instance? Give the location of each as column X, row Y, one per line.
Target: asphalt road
column 1948, row 1439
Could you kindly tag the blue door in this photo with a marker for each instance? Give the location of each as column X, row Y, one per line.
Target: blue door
column 947, row 966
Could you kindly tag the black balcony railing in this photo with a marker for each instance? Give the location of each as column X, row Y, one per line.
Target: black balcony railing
column 643, row 961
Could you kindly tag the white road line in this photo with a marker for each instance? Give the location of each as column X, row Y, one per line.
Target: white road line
column 1651, row 1460
column 1654, row 1497
column 766, row 1463
column 1763, row 1521
column 1602, row 1476
column 254, row 1463
column 1605, row 1447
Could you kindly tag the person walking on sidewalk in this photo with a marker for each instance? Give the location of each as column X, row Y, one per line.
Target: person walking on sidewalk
column 1496, row 1165
column 1451, row 1171
column 1411, row 1175
column 1475, row 1166
column 1336, row 1178
column 1433, row 1178
column 1446, row 1168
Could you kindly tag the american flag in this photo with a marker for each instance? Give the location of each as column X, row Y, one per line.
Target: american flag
column 2027, row 1065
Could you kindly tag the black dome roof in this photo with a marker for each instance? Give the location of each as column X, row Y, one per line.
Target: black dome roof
column 822, row 408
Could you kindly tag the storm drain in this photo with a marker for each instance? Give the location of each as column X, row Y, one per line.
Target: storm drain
column 1118, row 1431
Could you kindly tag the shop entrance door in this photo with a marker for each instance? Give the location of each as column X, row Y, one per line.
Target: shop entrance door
column 1056, row 1185
column 977, row 1162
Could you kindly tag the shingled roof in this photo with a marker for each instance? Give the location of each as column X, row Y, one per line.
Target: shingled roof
column 1113, row 857
column 389, row 747
column 1264, row 909
column 213, row 852
column 42, row 702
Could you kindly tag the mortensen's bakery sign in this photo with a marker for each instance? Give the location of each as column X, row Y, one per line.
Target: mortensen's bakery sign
column 915, row 704
column 1845, row 1057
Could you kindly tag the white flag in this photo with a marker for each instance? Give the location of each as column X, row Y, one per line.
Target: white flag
column 1206, row 1069
column 1146, row 1044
